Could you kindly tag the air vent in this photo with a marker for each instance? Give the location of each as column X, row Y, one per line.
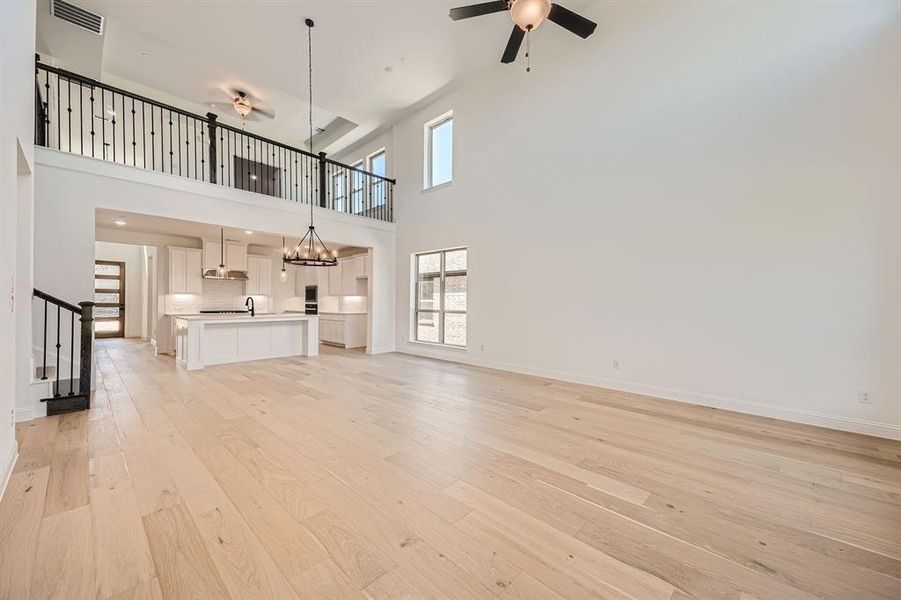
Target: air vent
column 77, row 16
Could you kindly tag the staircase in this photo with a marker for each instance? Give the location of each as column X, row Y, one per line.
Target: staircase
column 55, row 379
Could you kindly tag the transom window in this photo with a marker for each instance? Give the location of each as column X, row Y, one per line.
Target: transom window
column 439, row 151
column 440, row 291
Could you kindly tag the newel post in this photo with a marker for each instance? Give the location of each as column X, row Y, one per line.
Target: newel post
column 86, row 351
column 213, row 126
column 322, row 193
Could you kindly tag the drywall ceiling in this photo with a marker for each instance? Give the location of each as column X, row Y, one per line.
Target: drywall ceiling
column 105, row 219
column 372, row 60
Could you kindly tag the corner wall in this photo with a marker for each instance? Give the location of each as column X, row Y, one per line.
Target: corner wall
column 709, row 194
column 17, row 31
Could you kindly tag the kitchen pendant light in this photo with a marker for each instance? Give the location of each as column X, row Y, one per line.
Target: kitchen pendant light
column 310, row 251
column 283, row 274
column 221, row 270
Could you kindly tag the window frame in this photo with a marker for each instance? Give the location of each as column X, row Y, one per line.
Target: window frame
column 357, row 200
column 427, row 152
column 442, row 310
column 375, row 181
column 340, row 178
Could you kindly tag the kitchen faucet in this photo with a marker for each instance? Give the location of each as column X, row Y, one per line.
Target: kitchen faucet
column 249, row 304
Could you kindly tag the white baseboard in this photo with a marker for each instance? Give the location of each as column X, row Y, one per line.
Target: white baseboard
column 6, row 468
column 854, row 425
column 24, row 413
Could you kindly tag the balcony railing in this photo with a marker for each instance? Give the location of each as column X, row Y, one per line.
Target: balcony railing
column 82, row 116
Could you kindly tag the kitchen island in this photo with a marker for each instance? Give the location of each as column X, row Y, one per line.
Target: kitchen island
column 202, row 340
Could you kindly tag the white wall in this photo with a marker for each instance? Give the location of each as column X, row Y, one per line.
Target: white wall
column 17, row 27
column 133, row 257
column 706, row 192
column 69, row 188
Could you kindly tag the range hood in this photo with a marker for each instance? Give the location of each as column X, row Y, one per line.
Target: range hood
column 229, row 275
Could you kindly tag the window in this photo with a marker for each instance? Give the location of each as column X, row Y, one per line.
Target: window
column 440, row 291
column 338, row 195
column 378, row 165
column 356, row 189
column 439, row 151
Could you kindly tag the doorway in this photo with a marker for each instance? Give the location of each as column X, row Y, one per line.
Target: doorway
column 109, row 298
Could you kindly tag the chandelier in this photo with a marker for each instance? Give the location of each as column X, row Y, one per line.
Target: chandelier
column 310, row 251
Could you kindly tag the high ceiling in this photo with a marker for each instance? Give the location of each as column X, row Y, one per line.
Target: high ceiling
column 372, row 60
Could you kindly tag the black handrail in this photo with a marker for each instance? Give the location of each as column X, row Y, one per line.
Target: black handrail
column 54, row 300
column 221, row 154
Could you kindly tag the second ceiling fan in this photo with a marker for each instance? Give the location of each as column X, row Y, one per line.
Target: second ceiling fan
column 527, row 16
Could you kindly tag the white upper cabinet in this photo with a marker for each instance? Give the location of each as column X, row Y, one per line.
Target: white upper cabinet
column 259, row 276
column 335, row 280
column 185, row 274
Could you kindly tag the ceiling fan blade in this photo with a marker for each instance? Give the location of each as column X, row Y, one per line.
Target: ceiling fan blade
column 570, row 21
column 223, row 106
column 513, row 45
column 477, row 10
column 259, row 114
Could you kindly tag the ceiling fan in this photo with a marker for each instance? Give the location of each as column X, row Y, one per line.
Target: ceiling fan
column 246, row 105
column 527, row 16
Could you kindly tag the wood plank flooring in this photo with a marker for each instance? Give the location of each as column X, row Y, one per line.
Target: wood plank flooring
column 355, row 476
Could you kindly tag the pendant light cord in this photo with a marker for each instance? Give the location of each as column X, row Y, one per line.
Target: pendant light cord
column 309, row 23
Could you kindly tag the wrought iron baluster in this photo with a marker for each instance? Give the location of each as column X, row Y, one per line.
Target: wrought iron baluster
column 71, row 351
column 134, row 143
column 81, row 117
column 58, row 369
column 171, row 170
column 44, row 372
column 114, row 126
column 92, row 122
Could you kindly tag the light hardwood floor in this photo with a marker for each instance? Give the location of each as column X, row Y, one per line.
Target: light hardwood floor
column 351, row 476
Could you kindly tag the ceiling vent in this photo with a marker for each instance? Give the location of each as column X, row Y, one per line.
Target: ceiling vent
column 77, row 16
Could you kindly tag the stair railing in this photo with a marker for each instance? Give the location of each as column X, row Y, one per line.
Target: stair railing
column 80, row 115
column 65, row 311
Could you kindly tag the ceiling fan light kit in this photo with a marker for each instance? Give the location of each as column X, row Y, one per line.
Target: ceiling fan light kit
column 527, row 15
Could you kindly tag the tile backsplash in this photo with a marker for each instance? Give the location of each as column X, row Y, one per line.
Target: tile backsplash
column 217, row 295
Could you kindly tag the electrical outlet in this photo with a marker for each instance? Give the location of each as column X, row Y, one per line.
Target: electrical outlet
column 864, row 397
column 616, row 364
column 482, row 347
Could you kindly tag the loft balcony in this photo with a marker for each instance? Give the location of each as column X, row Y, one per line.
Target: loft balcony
column 82, row 116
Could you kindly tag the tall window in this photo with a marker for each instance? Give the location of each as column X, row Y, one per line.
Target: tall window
column 439, row 151
column 356, row 189
column 378, row 164
column 440, row 311
column 338, row 193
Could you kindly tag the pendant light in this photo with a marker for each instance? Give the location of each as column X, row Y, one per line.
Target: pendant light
column 283, row 274
column 221, row 271
column 310, row 251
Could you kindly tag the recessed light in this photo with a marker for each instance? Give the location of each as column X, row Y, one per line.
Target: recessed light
column 388, row 69
column 120, row 222
column 248, row 232
column 144, row 54
column 254, row 177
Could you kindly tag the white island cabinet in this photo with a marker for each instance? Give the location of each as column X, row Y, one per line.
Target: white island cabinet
column 202, row 340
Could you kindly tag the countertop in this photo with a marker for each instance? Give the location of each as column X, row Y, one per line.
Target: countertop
column 243, row 318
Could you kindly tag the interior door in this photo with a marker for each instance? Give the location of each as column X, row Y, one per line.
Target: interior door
column 109, row 298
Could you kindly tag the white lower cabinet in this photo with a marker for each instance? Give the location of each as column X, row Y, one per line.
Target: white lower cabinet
column 347, row 330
